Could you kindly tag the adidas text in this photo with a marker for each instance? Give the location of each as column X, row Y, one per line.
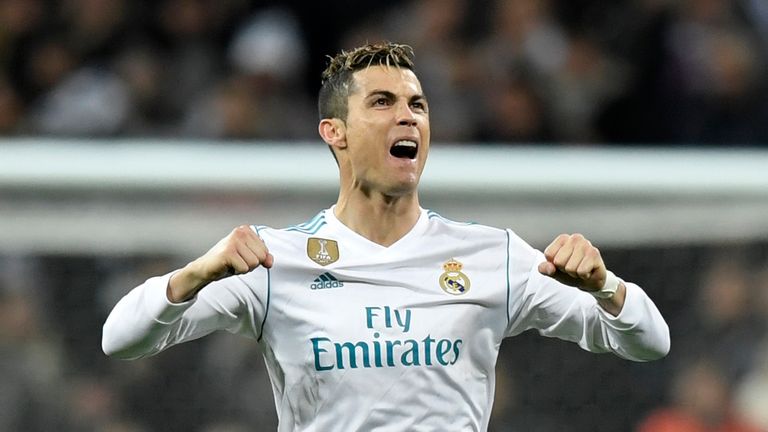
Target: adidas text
column 327, row 284
column 325, row 281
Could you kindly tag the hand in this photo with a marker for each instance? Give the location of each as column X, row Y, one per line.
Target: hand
column 572, row 260
column 239, row 252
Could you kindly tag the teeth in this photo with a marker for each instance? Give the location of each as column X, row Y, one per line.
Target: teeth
column 406, row 143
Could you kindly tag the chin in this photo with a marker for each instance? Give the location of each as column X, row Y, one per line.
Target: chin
column 403, row 189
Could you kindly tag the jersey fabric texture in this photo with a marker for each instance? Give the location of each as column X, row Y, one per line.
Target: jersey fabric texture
column 357, row 336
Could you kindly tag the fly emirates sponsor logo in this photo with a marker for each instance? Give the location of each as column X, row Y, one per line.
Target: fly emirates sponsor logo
column 380, row 352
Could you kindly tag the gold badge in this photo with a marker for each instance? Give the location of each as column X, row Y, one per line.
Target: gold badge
column 322, row 251
column 453, row 281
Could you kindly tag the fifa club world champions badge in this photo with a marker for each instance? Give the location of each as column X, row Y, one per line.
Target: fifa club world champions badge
column 453, row 281
column 322, row 251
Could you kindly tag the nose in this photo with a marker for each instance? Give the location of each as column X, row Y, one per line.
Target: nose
column 405, row 116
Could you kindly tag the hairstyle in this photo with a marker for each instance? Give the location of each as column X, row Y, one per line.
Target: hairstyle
column 337, row 78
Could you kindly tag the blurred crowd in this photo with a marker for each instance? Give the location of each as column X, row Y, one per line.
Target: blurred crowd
column 512, row 71
column 714, row 297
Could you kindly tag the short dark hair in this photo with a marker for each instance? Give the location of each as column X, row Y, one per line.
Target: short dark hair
column 337, row 77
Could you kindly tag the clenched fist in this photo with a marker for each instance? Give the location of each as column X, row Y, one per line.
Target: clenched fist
column 572, row 260
column 239, row 252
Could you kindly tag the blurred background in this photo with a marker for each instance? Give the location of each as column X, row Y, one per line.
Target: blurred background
column 135, row 134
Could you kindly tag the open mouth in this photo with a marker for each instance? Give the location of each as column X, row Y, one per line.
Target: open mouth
column 404, row 149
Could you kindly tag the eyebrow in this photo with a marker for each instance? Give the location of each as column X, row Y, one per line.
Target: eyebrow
column 389, row 95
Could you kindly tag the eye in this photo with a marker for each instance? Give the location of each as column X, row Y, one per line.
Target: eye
column 381, row 101
column 418, row 105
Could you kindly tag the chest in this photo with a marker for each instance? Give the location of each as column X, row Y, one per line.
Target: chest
column 386, row 310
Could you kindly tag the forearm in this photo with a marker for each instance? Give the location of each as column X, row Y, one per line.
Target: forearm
column 146, row 321
column 141, row 323
column 638, row 332
column 628, row 325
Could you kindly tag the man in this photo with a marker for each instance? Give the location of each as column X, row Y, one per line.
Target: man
column 378, row 313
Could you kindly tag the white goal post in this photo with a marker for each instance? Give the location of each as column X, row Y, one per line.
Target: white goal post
column 178, row 197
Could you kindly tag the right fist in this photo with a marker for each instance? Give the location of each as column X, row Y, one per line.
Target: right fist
column 239, row 252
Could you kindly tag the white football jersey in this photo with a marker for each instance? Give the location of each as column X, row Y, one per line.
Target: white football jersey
column 358, row 336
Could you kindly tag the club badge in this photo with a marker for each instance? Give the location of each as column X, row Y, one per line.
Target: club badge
column 453, row 281
column 322, row 251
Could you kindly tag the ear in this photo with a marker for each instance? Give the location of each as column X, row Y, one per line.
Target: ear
column 334, row 132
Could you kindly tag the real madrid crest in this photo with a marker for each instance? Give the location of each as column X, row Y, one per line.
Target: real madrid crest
column 322, row 251
column 453, row 281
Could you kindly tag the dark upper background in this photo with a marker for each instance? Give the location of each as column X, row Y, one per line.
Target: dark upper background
column 521, row 71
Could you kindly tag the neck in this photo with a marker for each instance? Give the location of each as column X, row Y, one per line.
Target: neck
column 379, row 218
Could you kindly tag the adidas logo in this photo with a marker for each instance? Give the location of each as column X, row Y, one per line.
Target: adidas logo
column 325, row 281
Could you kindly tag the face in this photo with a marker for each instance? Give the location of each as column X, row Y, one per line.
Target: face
column 386, row 132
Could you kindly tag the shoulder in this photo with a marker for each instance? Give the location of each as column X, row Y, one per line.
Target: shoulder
column 310, row 226
column 442, row 223
column 481, row 233
column 292, row 233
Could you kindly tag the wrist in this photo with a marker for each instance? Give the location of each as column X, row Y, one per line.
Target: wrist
column 615, row 304
column 184, row 284
column 611, row 285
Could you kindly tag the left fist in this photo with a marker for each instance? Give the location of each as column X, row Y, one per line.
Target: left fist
column 572, row 260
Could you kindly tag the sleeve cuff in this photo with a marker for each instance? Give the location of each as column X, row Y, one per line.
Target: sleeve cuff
column 156, row 303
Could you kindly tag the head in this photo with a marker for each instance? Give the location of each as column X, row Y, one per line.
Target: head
column 374, row 117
